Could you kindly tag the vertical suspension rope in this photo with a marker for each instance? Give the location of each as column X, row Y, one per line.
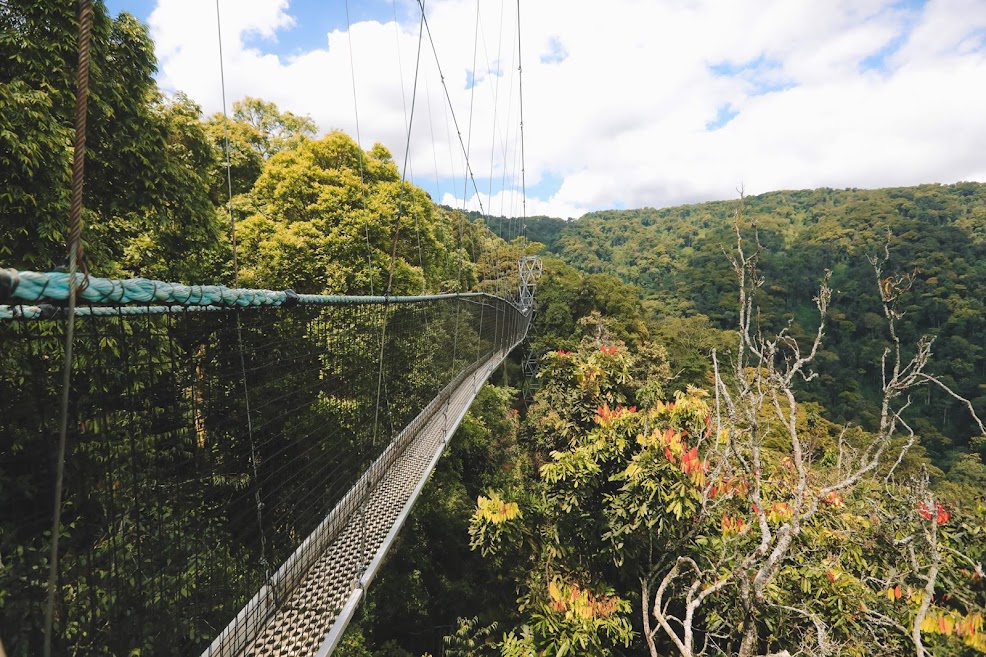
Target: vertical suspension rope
column 407, row 149
column 74, row 259
column 383, row 337
column 498, row 280
column 448, row 100
column 363, row 539
column 520, row 85
column 239, row 327
column 359, row 143
column 472, row 98
column 229, row 168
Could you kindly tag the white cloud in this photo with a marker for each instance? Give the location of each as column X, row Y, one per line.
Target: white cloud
column 617, row 95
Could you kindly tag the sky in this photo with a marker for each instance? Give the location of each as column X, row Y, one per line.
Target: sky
column 626, row 103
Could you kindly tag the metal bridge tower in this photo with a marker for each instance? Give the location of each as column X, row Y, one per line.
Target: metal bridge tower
column 530, row 273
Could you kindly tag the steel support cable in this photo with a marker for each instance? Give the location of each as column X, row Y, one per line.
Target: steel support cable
column 346, row 466
column 359, row 143
column 274, row 474
column 479, row 342
column 459, row 244
column 500, row 280
column 407, row 149
column 467, row 147
column 383, row 337
column 521, row 224
column 520, row 86
column 477, row 246
column 409, row 121
column 253, row 451
column 417, row 233
column 313, row 422
column 239, row 328
column 448, row 99
column 493, row 138
column 496, row 106
column 75, row 258
column 229, row 168
column 296, row 455
column 314, row 427
column 472, row 99
column 451, row 155
column 434, row 148
column 506, row 141
column 400, row 63
column 438, row 184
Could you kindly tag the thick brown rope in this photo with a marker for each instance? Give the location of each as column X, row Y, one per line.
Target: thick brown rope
column 79, row 157
column 75, row 255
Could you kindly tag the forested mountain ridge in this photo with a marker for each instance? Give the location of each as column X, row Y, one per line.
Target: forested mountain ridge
column 936, row 234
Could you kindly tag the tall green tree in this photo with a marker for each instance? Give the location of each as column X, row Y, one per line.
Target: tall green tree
column 327, row 217
column 256, row 131
column 146, row 157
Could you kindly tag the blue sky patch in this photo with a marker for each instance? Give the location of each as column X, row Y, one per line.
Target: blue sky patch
column 548, row 187
column 975, row 41
column 912, row 5
column 769, row 86
column 724, row 115
column 141, row 9
column 733, row 69
column 878, row 61
column 544, row 190
column 556, row 52
column 764, row 75
column 313, row 20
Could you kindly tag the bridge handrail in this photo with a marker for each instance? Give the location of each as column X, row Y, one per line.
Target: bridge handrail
column 45, row 290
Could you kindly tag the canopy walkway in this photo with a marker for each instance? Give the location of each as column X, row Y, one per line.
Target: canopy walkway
column 238, row 462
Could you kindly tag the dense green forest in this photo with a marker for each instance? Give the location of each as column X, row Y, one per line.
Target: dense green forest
column 729, row 450
column 599, row 509
column 936, row 235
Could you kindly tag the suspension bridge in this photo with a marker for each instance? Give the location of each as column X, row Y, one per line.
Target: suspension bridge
column 238, row 462
column 229, row 466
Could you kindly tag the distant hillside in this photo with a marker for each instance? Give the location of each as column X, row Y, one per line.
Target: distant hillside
column 935, row 232
column 539, row 228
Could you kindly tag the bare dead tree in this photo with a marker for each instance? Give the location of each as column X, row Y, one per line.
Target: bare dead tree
column 755, row 397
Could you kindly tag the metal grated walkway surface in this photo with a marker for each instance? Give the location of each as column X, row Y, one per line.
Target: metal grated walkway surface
column 309, row 618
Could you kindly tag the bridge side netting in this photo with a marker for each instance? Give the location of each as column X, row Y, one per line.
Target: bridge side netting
column 179, row 505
